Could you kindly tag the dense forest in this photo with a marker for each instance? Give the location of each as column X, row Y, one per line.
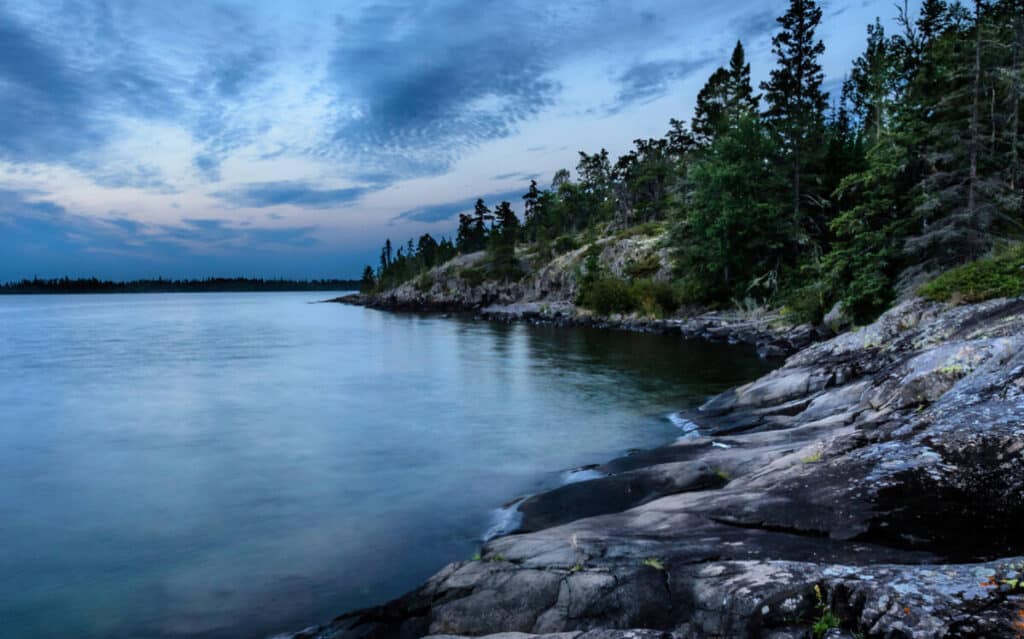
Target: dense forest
column 784, row 195
column 210, row 285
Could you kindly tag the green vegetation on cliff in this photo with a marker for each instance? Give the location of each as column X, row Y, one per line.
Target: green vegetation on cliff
column 794, row 198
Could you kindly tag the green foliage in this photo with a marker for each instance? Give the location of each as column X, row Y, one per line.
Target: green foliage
column 606, row 295
column 647, row 229
column 648, row 266
column 564, row 244
column 474, row 276
column 734, row 235
column 827, row 620
column 654, row 562
column 1001, row 275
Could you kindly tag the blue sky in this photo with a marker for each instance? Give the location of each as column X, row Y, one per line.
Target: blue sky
column 184, row 139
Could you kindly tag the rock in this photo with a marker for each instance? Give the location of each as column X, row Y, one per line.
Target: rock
column 837, row 320
column 879, row 474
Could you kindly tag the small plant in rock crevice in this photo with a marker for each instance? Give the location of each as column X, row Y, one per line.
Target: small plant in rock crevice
column 654, row 562
column 827, row 620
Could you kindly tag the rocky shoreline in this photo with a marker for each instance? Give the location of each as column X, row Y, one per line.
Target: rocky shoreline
column 872, row 486
column 769, row 333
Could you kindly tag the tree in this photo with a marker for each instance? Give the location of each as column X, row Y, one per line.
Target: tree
column 734, row 238
column 502, row 244
column 796, row 103
column 872, row 83
column 368, row 281
column 727, row 96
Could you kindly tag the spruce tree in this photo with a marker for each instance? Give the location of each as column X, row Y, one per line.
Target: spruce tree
column 727, row 96
column 796, row 103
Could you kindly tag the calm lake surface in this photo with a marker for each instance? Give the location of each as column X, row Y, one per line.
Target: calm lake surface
column 235, row 465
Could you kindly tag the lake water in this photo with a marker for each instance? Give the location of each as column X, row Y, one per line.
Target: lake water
column 235, row 465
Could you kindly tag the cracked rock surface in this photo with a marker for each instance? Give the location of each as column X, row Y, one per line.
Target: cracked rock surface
column 878, row 476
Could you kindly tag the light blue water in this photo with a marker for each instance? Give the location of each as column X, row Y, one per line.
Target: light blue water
column 233, row 465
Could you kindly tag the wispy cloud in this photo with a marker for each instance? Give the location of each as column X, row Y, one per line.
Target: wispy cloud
column 448, row 210
column 303, row 194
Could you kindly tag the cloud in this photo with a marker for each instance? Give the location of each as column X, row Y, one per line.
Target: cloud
column 448, row 210
column 413, row 98
column 516, row 175
column 647, row 81
column 264, row 194
column 40, row 237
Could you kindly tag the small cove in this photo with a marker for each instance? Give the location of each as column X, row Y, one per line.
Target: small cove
column 234, row 465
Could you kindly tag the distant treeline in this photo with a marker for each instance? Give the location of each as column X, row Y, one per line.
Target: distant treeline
column 209, row 285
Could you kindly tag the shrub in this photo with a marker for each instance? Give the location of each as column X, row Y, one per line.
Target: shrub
column 473, row 276
column 564, row 244
column 655, row 298
column 646, row 229
column 648, row 266
column 1001, row 275
column 606, row 295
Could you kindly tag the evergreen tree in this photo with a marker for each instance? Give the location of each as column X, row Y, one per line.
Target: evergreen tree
column 796, row 103
column 727, row 96
column 368, row 281
column 734, row 238
column 502, row 244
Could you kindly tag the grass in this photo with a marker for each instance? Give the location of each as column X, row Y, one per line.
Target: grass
column 1001, row 275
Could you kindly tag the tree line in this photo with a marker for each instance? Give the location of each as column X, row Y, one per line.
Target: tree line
column 786, row 195
column 160, row 285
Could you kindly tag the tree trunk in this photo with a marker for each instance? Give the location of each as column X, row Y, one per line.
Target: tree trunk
column 1015, row 165
column 972, row 182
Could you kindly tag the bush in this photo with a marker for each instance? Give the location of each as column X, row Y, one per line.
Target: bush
column 655, row 299
column 606, row 295
column 644, row 268
column 1001, row 275
column 646, row 229
column 473, row 276
column 564, row 244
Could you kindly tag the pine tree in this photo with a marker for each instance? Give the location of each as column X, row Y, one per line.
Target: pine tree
column 796, row 103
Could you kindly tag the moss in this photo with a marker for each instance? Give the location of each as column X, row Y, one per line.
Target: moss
column 1001, row 275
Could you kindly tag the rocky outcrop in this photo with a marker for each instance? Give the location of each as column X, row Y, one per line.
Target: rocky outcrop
column 872, row 486
column 546, row 295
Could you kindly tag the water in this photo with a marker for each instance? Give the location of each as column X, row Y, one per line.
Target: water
column 234, row 465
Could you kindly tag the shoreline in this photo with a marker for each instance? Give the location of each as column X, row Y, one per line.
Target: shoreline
column 855, row 478
column 768, row 333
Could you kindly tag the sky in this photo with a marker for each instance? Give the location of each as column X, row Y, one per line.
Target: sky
column 145, row 138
